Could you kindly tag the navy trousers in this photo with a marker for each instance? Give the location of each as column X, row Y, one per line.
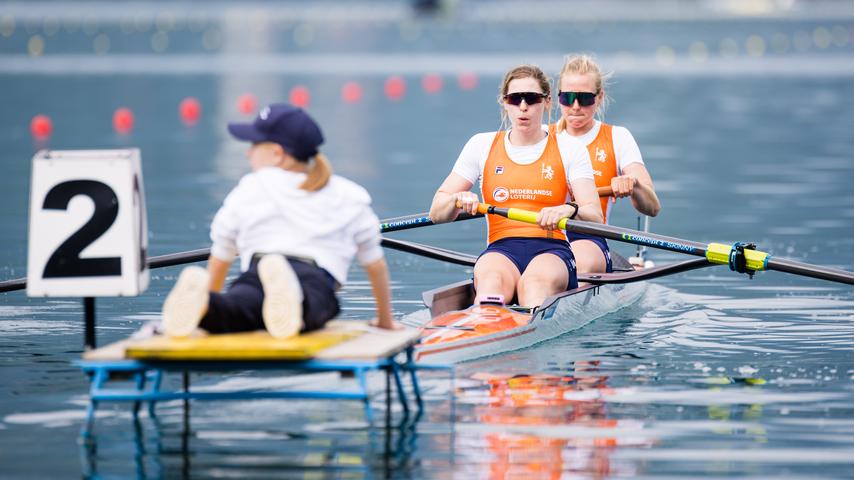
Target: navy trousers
column 239, row 308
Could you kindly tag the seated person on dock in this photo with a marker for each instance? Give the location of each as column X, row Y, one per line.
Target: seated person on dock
column 530, row 168
column 295, row 227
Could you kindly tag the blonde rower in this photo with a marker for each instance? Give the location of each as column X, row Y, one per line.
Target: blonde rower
column 614, row 154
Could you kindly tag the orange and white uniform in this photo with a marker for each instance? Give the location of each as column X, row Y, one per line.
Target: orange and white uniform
column 611, row 149
column 530, row 177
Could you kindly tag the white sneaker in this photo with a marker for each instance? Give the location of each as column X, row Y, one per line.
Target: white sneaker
column 282, row 309
column 187, row 303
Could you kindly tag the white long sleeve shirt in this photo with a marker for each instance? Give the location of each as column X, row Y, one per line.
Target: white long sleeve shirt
column 267, row 212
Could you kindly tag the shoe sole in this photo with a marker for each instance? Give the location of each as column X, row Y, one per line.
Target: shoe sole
column 187, row 303
column 282, row 308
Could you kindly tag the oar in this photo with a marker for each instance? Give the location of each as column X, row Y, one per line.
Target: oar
column 415, row 221
column 387, row 225
column 428, row 251
column 716, row 253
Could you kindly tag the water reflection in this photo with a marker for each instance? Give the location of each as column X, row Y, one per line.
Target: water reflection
column 549, row 425
column 205, row 444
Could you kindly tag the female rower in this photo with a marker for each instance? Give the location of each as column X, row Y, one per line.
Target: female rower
column 525, row 167
column 296, row 228
column 614, row 154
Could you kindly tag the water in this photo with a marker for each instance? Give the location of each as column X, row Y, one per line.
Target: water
column 712, row 374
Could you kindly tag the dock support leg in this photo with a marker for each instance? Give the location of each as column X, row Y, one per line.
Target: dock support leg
column 185, row 377
column 99, row 377
column 416, row 389
column 363, row 385
column 140, row 390
column 155, row 388
column 395, row 371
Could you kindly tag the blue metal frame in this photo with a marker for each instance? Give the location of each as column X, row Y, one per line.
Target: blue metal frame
column 151, row 372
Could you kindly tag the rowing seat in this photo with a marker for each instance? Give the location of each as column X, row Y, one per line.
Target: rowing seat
column 349, row 347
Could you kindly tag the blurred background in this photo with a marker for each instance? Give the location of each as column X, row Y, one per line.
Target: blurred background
column 743, row 111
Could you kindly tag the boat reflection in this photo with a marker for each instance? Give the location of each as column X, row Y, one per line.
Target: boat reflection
column 550, row 427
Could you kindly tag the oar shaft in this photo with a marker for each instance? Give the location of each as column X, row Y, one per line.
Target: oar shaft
column 607, row 231
column 716, row 253
column 414, row 221
column 813, row 271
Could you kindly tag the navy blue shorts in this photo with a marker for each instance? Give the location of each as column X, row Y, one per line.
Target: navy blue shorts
column 521, row 251
column 599, row 241
column 239, row 308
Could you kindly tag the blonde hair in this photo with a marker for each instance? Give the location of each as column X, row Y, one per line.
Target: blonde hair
column 319, row 171
column 583, row 64
column 523, row 71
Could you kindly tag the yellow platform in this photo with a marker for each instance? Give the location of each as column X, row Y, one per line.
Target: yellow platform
column 340, row 339
column 258, row 345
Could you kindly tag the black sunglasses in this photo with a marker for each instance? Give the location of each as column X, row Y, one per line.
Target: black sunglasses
column 531, row 98
column 585, row 99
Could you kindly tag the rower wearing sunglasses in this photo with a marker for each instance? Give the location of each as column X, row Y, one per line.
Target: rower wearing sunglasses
column 614, row 154
column 522, row 166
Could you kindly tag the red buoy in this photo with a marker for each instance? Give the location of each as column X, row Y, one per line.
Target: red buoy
column 246, row 104
column 190, row 111
column 123, row 120
column 300, row 96
column 351, row 92
column 395, row 87
column 467, row 81
column 431, row 83
column 41, row 127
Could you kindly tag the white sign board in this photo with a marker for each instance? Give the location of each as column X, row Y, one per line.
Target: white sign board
column 88, row 228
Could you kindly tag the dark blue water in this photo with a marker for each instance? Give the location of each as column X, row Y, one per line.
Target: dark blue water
column 744, row 122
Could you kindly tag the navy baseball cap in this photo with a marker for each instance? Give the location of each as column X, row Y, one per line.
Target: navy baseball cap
column 285, row 124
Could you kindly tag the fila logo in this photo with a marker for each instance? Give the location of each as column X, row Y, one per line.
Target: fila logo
column 499, row 170
column 601, row 155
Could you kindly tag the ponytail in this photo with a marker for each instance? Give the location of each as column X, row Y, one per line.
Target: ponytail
column 319, row 172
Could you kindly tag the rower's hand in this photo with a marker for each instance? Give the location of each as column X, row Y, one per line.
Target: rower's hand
column 467, row 202
column 549, row 217
column 623, row 186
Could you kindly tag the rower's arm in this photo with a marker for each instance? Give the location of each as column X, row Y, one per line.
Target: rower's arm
column 378, row 276
column 444, row 208
column 218, row 269
column 587, row 197
column 643, row 194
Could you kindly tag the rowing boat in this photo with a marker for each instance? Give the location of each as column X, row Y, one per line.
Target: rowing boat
column 482, row 330
column 454, row 330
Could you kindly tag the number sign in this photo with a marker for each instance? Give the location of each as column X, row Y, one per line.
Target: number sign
column 88, row 230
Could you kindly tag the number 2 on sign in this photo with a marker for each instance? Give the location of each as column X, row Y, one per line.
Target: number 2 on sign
column 66, row 261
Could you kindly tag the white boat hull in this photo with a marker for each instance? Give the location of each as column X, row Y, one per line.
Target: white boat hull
column 561, row 313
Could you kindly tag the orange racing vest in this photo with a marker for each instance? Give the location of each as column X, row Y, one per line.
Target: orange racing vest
column 530, row 187
column 604, row 163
